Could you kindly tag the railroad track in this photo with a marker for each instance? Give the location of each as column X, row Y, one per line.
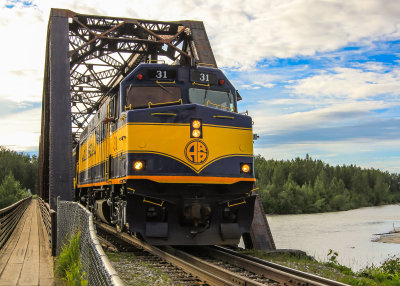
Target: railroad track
column 220, row 266
column 177, row 275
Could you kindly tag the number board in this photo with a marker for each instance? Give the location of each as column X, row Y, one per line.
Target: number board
column 203, row 77
column 162, row 74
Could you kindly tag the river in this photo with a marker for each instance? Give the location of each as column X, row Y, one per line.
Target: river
column 349, row 233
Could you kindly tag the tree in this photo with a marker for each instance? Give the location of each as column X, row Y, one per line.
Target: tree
column 11, row 191
column 307, row 186
column 23, row 167
column 381, row 191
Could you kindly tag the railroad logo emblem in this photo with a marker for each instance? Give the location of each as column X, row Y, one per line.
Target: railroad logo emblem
column 196, row 152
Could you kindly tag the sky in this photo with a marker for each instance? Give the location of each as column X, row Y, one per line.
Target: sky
column 318, row 77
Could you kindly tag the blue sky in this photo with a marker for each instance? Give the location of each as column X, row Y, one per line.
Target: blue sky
column 318, row 77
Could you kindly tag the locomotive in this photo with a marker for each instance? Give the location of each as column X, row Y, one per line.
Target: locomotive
column 169, row 159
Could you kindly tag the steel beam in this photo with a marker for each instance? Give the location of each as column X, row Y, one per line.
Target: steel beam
column 60, row 135
column 260, row 235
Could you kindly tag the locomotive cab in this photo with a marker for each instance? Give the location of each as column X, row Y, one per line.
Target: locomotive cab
column 154, row 85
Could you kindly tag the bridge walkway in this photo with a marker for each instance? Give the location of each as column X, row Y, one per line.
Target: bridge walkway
column 26, row 258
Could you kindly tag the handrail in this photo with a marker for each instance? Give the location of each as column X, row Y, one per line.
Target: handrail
column 165, row 103
column 164, row 114
column 9, row 218
column 223, row 117
column 49, row 218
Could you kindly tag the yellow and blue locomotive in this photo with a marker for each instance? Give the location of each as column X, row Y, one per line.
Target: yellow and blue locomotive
column 169, row 158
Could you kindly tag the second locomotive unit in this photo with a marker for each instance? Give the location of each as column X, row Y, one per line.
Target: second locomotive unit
column 169, row 158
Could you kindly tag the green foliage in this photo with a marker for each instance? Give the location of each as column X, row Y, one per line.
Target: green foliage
column 333, row 262
column 22, row 166
column 385, row 275
column 11, row 191
column 68, row 264
column 332, row 256
column 392, row 265
column 309, row 186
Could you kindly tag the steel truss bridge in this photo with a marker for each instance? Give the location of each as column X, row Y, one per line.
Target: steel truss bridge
column 87, row 56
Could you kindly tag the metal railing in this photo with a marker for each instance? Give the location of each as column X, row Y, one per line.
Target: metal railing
column 73, row 218
column 49, row 217
column 9, row 218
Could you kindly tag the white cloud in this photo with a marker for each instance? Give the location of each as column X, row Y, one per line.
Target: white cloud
column 21, row 130
column 241, row 33
column 22, row 53
column 254, row 79
column 288, row 28
column 25, row 85
column 272, row 121
column 337, row 97
column 352, row 83
column 244, row 32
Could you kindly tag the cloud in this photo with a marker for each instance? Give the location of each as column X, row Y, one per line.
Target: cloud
column 336, row 96
column 366, row 153
column 245, row 32
column 377, row 129
column 355, row 83
column 272, row 121
column 9, row 107
column 22, row 130
column 241, row 32
column 22, row 53
column 285, row 29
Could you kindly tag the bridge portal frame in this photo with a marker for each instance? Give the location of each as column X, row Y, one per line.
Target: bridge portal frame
column 86, row 58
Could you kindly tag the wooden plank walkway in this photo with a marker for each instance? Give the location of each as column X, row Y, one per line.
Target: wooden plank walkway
column 26, row 258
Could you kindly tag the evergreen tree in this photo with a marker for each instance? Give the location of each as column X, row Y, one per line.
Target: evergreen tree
column 11, row 191
column 307, row 186
column 23, row 167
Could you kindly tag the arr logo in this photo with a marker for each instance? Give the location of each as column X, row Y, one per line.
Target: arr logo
column 196, row 152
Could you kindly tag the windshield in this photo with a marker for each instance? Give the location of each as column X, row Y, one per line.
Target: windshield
column 144, row 96
column 217, row 99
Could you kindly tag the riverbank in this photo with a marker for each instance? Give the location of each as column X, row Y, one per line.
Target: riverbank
column 392, row 236
column 331, row 269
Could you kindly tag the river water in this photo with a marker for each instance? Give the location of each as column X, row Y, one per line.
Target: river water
column 349, row 233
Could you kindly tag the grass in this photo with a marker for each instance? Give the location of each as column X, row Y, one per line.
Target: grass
column 386, row 275
column 68, row 265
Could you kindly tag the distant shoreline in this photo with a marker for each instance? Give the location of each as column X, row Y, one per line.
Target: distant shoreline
column 392, row 236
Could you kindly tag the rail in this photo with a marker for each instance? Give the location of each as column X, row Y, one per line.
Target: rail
column 279, row 273
column 49, row 217
column 214, row 274
column 9, row 218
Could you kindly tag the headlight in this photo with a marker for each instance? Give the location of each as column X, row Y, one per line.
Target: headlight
column 245, row 168
column 196, row 123
column 196, row 133
column 196, row 128
column 138, row 165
